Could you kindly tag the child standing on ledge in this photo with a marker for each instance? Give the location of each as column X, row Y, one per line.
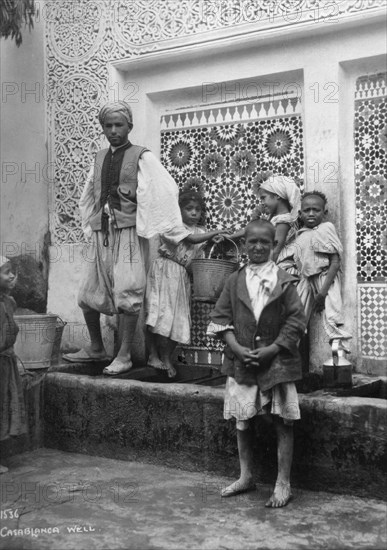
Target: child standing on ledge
column 167, row 300
column 317, row 253
column 260, row 317
column 12, row 417
column 281, row 198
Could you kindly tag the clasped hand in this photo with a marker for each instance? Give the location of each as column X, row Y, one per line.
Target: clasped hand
column 253, row 357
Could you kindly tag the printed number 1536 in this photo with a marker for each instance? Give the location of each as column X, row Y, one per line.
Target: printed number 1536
column 9, row 513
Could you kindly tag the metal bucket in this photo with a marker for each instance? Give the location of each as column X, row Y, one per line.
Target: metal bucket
column 35, row 340
column 210, row 275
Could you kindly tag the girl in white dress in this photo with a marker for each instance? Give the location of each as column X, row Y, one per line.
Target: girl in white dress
column 168, row 293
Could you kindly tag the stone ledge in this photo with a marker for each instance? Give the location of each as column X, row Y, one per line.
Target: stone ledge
column 340, row 442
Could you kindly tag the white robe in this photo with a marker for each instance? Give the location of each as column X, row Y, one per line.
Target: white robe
column 157, row 199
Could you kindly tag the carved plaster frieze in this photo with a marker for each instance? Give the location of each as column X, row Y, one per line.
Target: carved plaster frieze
column 84, row 36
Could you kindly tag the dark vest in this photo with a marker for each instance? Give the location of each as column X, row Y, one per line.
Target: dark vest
column 115, row 182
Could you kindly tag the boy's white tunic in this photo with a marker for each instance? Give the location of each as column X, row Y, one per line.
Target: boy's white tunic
column 115, row 275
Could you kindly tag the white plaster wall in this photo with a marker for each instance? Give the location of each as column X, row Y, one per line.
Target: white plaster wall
column 66, row 267
column 25, row 174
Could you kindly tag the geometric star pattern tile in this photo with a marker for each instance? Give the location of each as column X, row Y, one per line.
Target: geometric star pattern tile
column 370, row 141
column 370, row 136
column 200, row 312
column 223, row 162
column 372, row 300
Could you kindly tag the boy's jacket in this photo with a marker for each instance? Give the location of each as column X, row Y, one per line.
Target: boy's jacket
column 282, row 322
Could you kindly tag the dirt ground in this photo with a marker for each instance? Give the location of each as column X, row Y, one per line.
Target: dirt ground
column 56, row 500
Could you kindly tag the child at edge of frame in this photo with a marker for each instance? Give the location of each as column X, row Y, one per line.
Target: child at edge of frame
column 317, row 254
column 260, row 317
column 13, row 416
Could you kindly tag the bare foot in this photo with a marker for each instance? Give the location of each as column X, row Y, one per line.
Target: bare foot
column 3, row 469
column 239, row 486
column 156, row 363
column 171, row 371
column 282, row 494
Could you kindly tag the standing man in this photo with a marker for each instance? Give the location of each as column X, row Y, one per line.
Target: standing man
column 128, row 198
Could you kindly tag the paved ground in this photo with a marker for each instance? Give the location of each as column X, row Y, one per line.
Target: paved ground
column 68, row 501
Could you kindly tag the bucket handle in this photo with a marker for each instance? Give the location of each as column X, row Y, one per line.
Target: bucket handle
column 64, row 323
column 216, row 244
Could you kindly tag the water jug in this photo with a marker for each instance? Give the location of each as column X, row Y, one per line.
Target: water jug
column 337, row 371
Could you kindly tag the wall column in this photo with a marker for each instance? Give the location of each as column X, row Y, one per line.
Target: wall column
column 321, row 124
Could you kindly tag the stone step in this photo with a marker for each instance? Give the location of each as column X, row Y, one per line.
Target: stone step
column 340, row 442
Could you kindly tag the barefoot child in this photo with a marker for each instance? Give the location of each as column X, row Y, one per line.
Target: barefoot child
column 280, row 200
column 260, row 317
column 12, row 419
column 167, row 302
column 280, row 197
column 317, row 253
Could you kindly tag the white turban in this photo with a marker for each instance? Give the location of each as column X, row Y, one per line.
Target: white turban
column 286, row 188
column 116, row 107
column 3, row 260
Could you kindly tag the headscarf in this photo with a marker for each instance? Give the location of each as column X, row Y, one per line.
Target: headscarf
column 286, row 188
column 3, row 260
column 120, row 107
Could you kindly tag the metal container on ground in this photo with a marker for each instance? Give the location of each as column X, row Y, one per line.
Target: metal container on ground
column 35, row 339
column 337, row 371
